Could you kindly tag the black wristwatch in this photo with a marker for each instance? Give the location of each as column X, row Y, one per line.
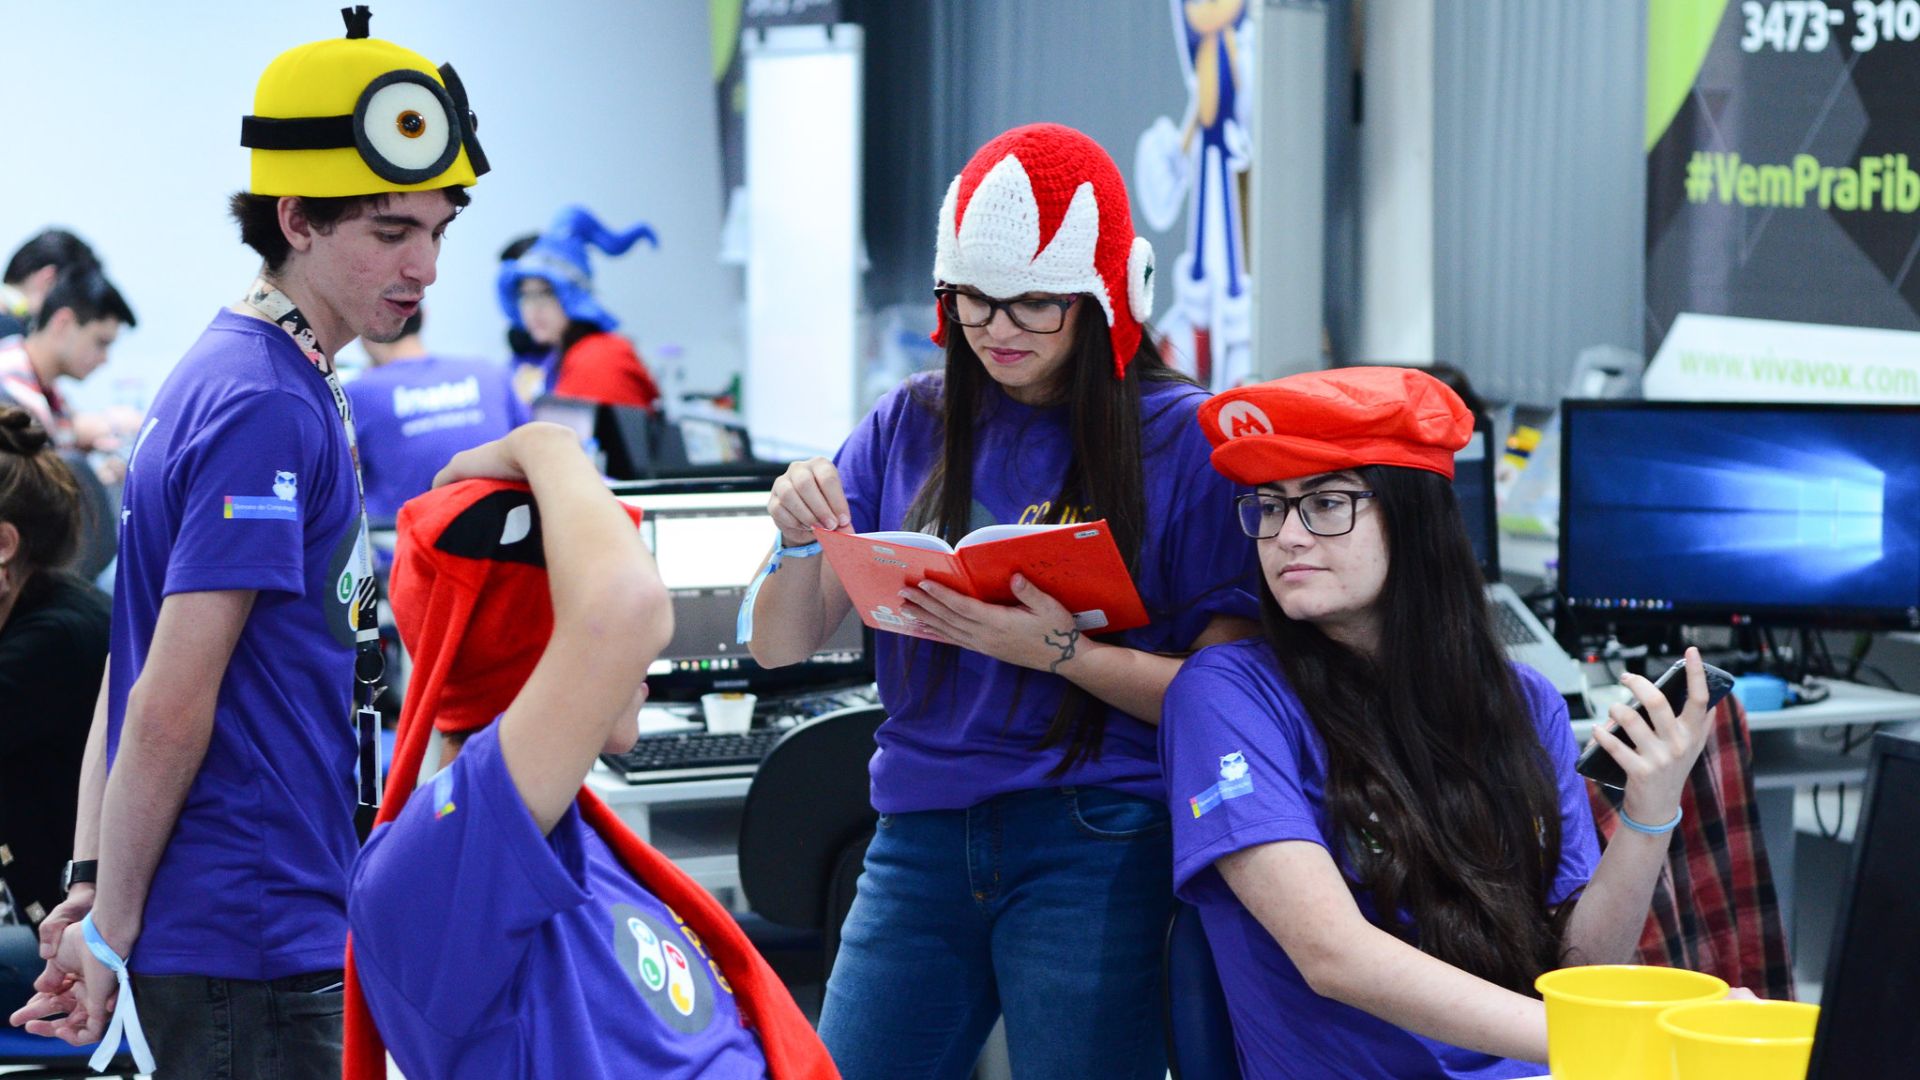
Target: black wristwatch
column 85, row 871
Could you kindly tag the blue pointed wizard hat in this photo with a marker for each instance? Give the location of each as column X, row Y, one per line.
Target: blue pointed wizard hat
column 559, row 258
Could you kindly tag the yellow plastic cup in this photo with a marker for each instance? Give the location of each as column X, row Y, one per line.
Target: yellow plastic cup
column 1601, row 1018
column 1741, row 1040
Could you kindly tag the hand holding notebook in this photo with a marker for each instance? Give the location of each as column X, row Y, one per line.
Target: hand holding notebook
column 1077, row 564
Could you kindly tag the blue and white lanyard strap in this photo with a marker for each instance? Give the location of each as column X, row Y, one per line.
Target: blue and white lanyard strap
column 743, row 626
column 126, row 1017
column 362, row 611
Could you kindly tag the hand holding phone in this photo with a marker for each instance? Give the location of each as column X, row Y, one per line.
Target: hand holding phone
column 1599, row 766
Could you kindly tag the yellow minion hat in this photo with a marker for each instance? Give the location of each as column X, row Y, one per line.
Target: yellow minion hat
column 358, row 116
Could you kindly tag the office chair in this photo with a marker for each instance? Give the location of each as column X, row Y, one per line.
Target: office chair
column 806, row 824
column 1199, row 1032
column 100, row 518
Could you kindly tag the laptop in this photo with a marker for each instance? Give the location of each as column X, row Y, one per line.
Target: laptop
column 1527, row 640
column 1872, row 986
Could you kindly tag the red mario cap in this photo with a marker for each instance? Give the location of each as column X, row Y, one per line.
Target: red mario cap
column 1324, row 421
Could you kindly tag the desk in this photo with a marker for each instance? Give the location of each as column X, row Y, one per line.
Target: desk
column 1782, row 765
column 696, row 823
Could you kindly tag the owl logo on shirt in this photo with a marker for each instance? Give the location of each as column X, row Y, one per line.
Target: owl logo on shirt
column 285, row 484
column 1235, row 780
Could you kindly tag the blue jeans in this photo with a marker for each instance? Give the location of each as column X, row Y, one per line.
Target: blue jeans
column 1050, row 906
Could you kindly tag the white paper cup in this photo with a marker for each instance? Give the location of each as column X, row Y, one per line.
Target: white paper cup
column 728, row 713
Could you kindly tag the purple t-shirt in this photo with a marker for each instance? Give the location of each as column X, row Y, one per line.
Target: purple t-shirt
column 1246, row 767
column 241, row 479
column 958, row 734
column 487, row 949
column 414, row 415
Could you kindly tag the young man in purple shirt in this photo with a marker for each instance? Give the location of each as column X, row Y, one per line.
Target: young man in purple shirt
column 414, row 411
column 224, row 826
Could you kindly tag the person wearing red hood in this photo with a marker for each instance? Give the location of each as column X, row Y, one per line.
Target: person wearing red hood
column 508, row 924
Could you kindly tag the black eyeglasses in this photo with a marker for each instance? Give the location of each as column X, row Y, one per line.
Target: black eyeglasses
column 1324, row 513
column 1033, row 316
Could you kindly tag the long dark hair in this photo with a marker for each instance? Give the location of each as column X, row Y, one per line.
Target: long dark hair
column 1104, row 478
column 1439, row 791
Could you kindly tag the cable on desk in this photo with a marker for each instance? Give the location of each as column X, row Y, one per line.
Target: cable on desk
column 1862, row 645
column 1878, row 673
column 1847, row 743
column 1840, row 821
column 1817, row 648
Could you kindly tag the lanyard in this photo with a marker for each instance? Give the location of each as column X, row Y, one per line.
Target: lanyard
column 363, row 609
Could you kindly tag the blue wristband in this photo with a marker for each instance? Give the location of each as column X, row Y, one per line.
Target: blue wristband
column 126, row 1017
column 743, row 625
column 1650, row 830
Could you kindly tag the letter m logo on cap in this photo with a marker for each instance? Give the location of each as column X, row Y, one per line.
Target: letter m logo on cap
column 1242, row 418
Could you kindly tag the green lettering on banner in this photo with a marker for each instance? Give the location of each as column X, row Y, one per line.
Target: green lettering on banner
column 1776, row 186
column 1907, row 193
column 1846, row 189
column 1748, row 186
column 1725, row 166
column 1806, row 175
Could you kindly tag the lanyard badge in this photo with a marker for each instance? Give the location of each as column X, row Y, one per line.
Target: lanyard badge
column 363, row 608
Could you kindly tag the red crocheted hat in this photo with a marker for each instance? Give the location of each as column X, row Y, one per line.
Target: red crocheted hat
column 1042, row 208
column 1324, row 421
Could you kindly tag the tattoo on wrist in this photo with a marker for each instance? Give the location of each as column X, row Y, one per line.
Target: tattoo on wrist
column 1068, row 643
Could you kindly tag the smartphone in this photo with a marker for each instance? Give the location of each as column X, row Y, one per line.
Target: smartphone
column 1597, row 765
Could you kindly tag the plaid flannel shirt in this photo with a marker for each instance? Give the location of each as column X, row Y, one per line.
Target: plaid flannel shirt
column 1714, row 907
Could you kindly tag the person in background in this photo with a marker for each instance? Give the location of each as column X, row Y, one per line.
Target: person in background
column 1376, row 812
column 78, row 321
column 53, row 651
column 225, row 827
column 527, row 357
column 1022, row 863
column 31, row 272
column 413, row 411
column 548, row 292
column 505, row 922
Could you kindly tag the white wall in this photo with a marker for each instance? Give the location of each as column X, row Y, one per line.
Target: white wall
column 1396, row 179
column 123, row 122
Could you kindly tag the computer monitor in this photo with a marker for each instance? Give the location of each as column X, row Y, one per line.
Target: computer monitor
column 708, row 544
column 648, row 445
column 1866, row 1023
column 1473, row 490
column 572, row 413
column 1795, row 515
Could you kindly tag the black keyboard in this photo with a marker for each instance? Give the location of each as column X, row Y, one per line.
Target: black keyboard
column 701, row 755
column 696, row 755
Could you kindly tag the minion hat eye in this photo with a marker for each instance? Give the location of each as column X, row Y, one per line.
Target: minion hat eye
column 357, row 116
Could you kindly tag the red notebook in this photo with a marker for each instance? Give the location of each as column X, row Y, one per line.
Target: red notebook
column 1076, row 564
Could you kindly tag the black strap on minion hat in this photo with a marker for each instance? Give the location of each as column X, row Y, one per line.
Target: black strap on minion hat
column 407, row 126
